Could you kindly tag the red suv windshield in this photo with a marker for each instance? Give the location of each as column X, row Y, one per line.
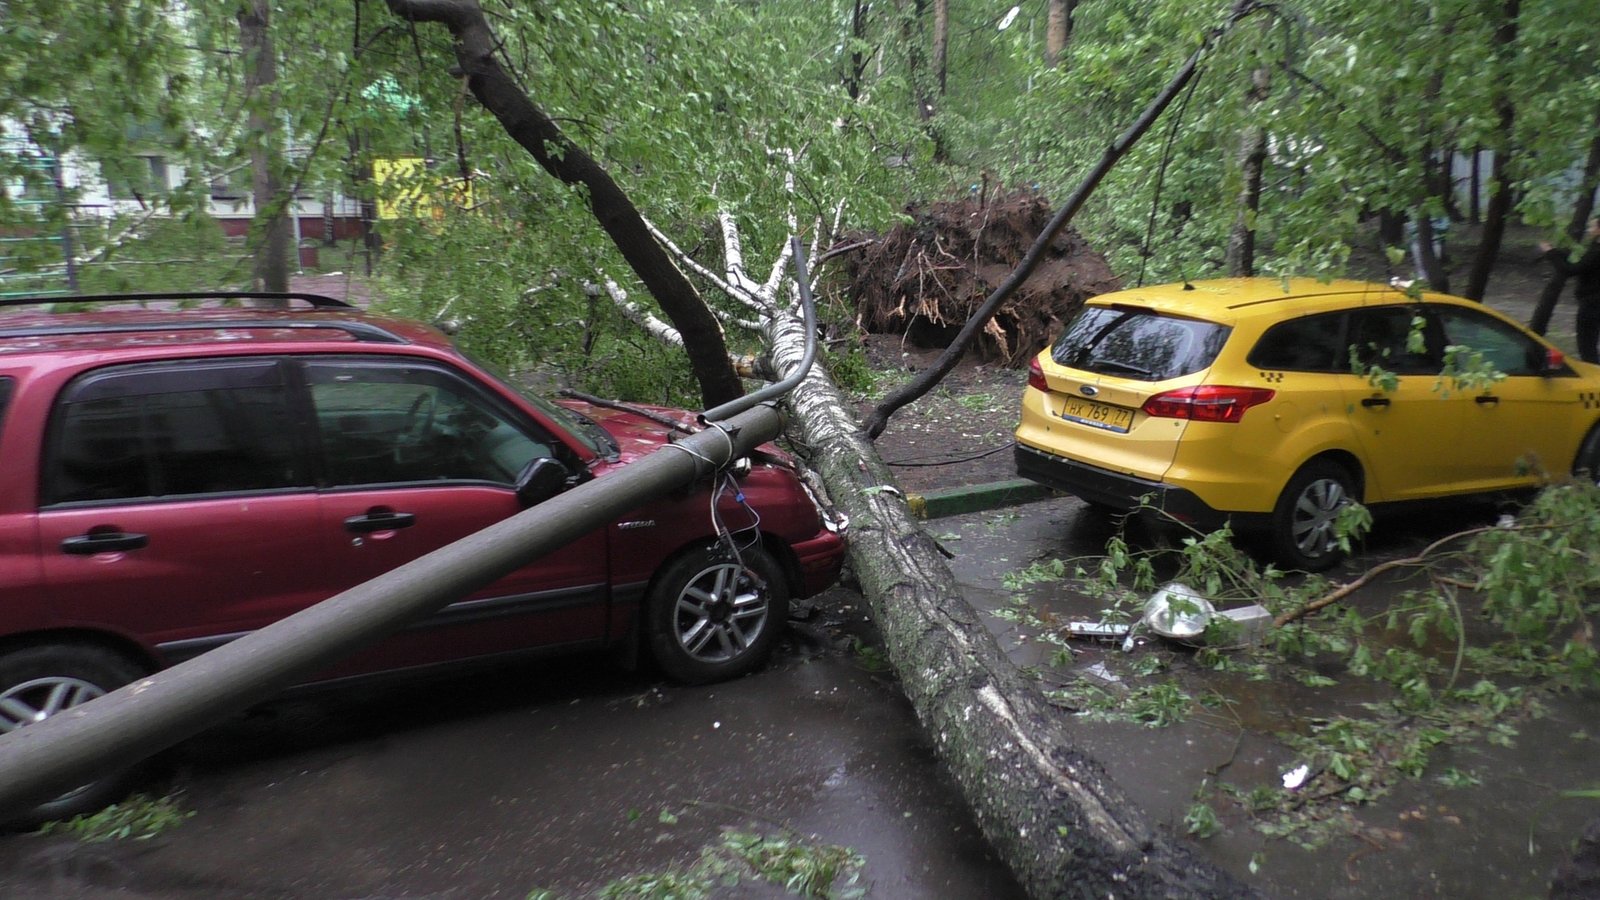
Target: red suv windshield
column 592, row 435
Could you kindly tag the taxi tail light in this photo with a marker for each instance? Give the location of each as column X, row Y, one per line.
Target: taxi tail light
column 1036, row 376
column 1206, row 402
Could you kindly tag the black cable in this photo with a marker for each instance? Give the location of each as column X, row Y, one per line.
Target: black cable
column 908, row 464
column 1161, row 174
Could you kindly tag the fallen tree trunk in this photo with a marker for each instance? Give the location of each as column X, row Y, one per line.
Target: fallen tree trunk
column 1052, row 813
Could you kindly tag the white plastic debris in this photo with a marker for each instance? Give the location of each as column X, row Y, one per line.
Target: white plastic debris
column 1100, row 671
column 1295, row 777
column 1250, row 623
column 1107, row 631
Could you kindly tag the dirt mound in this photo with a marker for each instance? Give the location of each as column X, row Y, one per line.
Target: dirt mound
column 924, row 280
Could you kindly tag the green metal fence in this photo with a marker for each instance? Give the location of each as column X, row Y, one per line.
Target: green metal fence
column 36, row 264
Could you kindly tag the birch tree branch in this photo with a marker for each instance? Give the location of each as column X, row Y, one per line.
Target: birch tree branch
column 689, row 262
column 1050, row 811
column 640, row 316
column 732, row 251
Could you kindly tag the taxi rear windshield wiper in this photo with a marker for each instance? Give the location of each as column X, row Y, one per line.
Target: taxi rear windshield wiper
column 1103, row 365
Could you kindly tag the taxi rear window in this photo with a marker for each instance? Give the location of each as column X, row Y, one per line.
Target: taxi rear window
column 1137, row 343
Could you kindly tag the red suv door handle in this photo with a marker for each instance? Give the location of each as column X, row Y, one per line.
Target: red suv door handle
column 378, row 520
column 103, row 542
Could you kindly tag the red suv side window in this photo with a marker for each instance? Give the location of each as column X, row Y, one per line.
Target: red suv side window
column 386, row 422
column 172, row 430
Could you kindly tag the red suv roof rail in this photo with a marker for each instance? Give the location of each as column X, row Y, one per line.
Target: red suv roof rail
column 169, row 320
column 317, row 301
column 365, row 332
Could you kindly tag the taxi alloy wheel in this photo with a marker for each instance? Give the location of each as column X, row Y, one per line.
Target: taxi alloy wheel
column 1303, row 535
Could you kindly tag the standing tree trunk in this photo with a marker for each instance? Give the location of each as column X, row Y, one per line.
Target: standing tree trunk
column 1494, row 218
column 941, row 43
column 269, row 233
column 858, row 56
column 1241, row 257
column 359, row 170
column 1426, row 243
column 1549, row 296
column 1058, row 31
column 917, row 71
column 1426, row 249
column 1475, row 182
column 531, row 127
column 1583, row 209
column 69, row 250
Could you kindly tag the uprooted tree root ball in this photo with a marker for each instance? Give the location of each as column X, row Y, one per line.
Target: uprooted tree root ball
column 923, row 280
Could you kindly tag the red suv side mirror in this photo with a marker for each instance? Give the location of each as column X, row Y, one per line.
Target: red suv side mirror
column 541, row 479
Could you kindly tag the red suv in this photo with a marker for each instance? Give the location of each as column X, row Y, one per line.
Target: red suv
column 174, row 478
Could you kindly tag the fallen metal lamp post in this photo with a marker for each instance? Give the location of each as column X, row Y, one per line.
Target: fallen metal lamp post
column 68, row 749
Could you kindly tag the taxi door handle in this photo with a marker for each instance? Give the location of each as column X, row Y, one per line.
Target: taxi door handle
column 1371, row 402
column 1487, row 400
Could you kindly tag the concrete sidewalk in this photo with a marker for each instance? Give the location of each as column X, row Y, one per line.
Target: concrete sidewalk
column 976, row 498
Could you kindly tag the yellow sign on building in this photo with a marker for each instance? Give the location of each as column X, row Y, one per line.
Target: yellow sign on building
column 407, row 189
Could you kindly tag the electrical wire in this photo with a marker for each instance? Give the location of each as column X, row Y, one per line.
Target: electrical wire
column 726, row 535
column 724, row 481
column 915, row 462
column 1161, row 174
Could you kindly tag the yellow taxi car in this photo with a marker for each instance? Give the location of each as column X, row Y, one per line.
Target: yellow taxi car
column 1273, row 403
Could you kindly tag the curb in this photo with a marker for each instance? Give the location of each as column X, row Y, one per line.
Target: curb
column 976, row 498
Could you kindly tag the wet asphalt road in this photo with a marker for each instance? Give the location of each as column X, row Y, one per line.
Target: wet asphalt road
column 566, row 775
column 559, row 776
